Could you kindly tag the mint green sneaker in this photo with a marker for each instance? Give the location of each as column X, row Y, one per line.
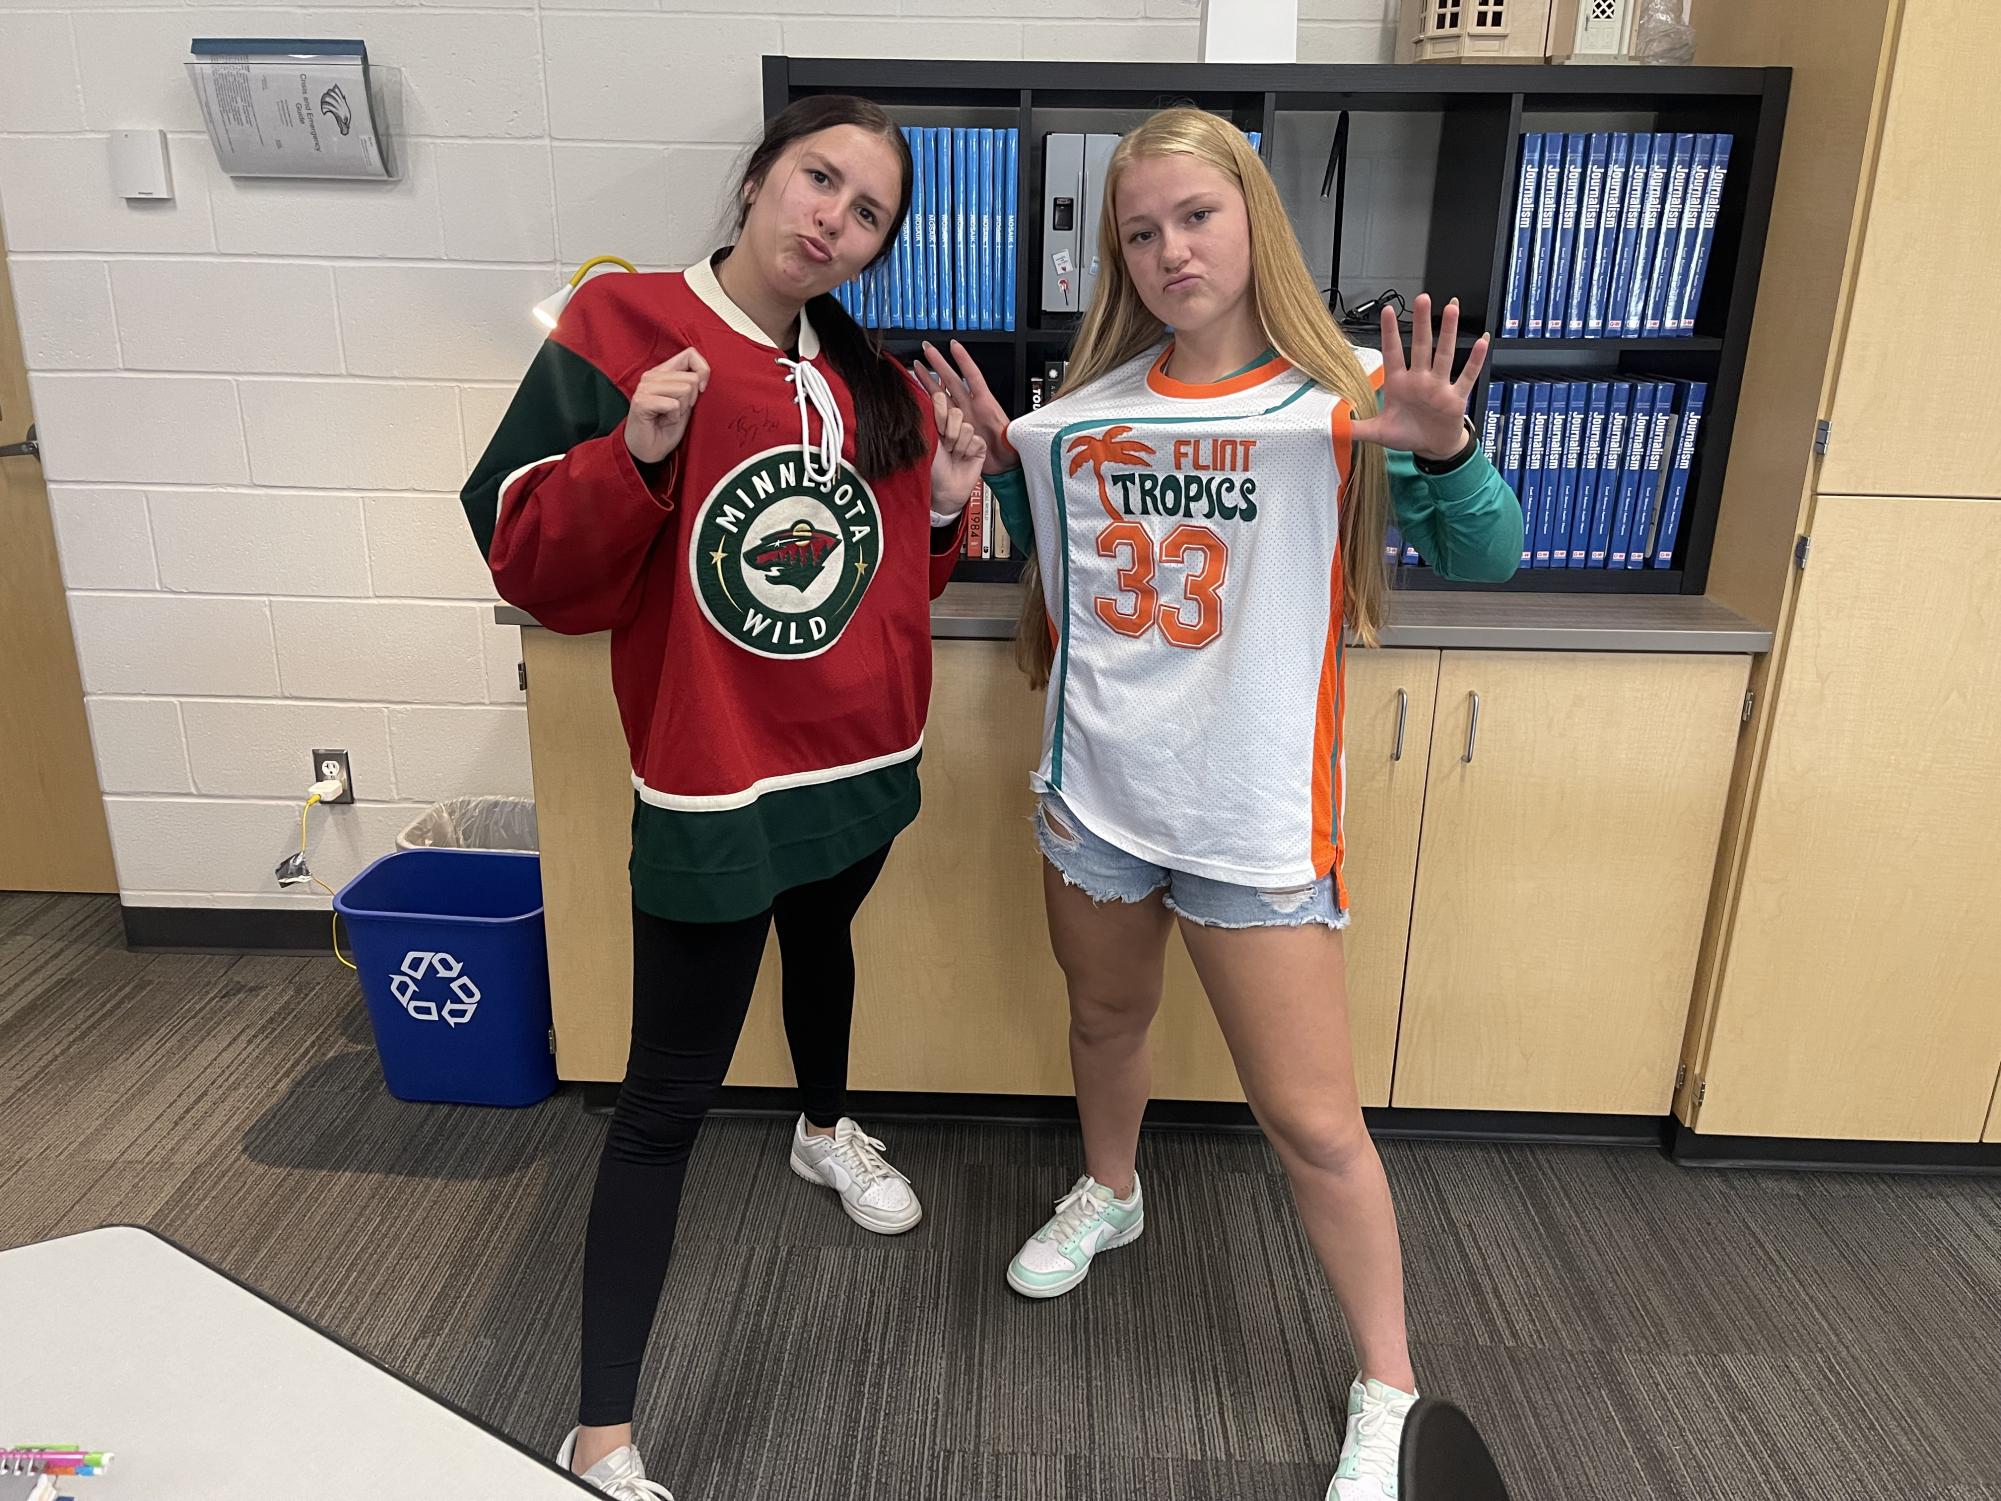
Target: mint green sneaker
column 1374, row 1443
column 1087, row 1220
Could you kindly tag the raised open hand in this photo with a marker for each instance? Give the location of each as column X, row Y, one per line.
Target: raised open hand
column 1422, row 408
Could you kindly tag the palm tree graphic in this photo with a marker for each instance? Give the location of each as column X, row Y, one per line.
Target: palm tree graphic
column 1112, row 447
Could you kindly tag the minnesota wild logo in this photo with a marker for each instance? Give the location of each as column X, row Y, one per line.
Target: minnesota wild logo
column 781, row 565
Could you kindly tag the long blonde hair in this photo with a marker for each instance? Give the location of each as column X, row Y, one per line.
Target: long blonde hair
column 1117, row 328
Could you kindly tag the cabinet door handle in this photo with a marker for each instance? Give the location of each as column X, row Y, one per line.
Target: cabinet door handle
column 1472, row 725
column 1403, row 710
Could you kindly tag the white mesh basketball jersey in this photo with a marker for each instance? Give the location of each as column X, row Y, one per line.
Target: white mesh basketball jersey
column 1189, row 538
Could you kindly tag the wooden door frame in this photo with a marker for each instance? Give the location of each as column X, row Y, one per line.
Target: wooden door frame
column 72, row 850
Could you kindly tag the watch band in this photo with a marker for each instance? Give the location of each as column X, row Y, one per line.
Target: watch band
column 1447, row 465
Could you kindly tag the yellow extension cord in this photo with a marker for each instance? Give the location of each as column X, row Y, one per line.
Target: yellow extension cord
column 303, row 812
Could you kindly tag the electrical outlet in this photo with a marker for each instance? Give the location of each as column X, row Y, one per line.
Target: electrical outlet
column 331, row 766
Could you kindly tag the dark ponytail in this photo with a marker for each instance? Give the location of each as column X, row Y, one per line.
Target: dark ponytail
column 889, row 430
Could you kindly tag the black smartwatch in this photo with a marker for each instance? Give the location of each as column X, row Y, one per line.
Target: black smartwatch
column 1446, row 465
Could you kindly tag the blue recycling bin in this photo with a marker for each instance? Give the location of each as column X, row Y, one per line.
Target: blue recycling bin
column 449, row 948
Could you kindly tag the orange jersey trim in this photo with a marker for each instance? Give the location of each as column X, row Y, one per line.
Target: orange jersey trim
column 1161, row 383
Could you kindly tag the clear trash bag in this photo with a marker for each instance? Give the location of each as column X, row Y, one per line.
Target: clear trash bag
column 474, row 823
column 1661, row 35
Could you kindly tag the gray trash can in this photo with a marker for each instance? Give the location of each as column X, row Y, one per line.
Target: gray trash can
column 474, row 823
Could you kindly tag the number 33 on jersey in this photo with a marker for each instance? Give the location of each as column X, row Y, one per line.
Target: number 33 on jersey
column 1189, row 537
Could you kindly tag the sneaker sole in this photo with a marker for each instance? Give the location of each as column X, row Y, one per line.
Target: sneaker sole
column 1124, row 1238
column 880, row 1224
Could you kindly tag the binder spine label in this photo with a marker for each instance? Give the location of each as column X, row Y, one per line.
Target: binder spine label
column 1525, row 207
column 1605, row 254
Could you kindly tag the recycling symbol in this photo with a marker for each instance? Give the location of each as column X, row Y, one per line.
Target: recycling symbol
column 419, row 965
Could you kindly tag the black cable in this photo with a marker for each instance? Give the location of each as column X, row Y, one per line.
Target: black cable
column 1337, row 166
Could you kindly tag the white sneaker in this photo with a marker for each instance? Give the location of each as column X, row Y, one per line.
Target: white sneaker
column 875, row 1195
column 1087, row 1220
column 1371, row 1453
column 619, row 1474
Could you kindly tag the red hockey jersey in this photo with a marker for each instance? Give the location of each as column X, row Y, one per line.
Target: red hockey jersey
column 771, row 633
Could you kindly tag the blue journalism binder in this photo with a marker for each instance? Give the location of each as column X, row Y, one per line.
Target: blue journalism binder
column 897, row 263
column 1518, row 260
column 1631, row 212
column 1491, row 420
column 1687, row 228
column 989, row 239
column 1674, row 193
column 1537, row 476
column 1565, row 250
column 1542, row 247
column 913, row 306
column 937, row 307
column 967, row 222
column 993, row 159
column 1660, row 445
column 967, row 275
column 1611, row 465
column 1605, row 253
column 1632, row 469
column 1011, row 267
column 1570, row 406
column 914, row 227
column 1658, row 163
column 1589, row 206
column 1705, row 231
column 1597, row 399
column 1692, row 393
column 1392, row 546
column 976, row 200
column 1514, row 451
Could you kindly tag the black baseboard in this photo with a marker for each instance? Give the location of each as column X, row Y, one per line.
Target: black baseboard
column 1813, row 1154
column 1186, row 1115
column 229, row 930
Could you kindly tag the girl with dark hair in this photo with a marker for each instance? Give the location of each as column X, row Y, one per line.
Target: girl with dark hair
column 721, row 469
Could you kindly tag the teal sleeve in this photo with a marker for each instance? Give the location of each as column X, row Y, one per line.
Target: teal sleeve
column 1467, row 524
column 1011, row 495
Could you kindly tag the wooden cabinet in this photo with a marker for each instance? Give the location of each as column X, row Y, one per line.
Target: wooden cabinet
column 1557, row 904
column 958, row 991
column 1848, row 988
column 1390, row 695
column 583, row 808
column 1922, row 320
column 1391, row 701
column 1858, row 996
column 1568, row 846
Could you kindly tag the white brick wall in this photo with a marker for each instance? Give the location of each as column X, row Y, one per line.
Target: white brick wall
column 380, row 649
column 259, row 542
column 251, row 748
column 441, row 752
column 160, row 644
column 104, row 538
column 227, row 315
column 349, row 434
column 68, row 305
column 259, row 400
column 140, row 746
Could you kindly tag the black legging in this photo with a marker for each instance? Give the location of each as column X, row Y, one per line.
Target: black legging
column 691, row 986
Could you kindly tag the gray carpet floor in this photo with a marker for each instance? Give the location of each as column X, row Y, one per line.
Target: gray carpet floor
column 1618, row 1326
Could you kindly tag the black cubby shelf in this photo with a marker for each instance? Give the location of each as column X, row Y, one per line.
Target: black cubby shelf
column 1480, row 115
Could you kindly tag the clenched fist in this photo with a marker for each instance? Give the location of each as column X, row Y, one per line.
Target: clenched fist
column 658, row 416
